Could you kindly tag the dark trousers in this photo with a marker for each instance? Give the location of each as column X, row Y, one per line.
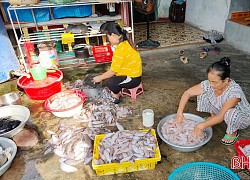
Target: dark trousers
column 114, row 83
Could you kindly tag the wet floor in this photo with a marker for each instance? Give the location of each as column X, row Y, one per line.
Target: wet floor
column 164, row 80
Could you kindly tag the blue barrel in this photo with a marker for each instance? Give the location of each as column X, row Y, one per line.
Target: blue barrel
column 8, row 59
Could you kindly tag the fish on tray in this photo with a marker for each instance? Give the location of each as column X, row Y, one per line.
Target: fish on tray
column 181, row 134
column 65, row 102
column 124, row 146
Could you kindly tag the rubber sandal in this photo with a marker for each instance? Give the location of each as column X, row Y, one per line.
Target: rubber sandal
column 184, row 59
column 203, row 55
column 205, row 118
column 230, row 138
column 181, row 52
column 117, row 101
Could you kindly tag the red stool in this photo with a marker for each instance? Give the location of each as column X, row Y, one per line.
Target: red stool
column 134, row 92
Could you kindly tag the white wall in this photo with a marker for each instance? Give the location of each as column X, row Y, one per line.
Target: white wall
column 163, row 10
column 208, row 14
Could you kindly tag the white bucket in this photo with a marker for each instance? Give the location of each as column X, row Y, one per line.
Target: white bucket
column 48, row 58
column 148, row 117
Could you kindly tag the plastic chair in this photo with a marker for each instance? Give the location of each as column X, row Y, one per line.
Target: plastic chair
column 134, row 92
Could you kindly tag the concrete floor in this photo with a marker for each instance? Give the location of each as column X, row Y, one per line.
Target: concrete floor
column 164, row 79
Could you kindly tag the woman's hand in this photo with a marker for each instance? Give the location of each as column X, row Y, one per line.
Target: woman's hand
column 198, row 129
column 97, row 79
column 179, row 118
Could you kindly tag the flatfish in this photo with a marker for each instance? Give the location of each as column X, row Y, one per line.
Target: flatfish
column 181, row 134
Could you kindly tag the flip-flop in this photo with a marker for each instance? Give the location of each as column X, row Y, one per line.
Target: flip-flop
column 205, row 118
column 117, row 101
column 184, row 59
column 181, row 52
column 230, row 138
column 203, row 54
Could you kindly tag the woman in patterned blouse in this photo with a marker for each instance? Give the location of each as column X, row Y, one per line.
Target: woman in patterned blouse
column 126, row 66
column 223, row 98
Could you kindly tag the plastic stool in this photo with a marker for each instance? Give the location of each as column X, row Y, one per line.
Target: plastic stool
column 134, row 92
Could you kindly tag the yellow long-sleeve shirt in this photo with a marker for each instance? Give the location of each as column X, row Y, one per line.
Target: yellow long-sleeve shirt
column 126, row 61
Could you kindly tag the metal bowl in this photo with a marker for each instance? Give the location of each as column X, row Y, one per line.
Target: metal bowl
column 16, row 112
column 5, row 143
column 209, row 132
column 11, row 98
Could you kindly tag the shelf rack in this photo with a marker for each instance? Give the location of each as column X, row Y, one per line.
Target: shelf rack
column 47, row 35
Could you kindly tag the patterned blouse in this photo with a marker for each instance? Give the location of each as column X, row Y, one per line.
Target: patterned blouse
column 208, row 102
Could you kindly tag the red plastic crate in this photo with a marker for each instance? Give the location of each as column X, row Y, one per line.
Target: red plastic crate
column 102, row 53
column 241, row 143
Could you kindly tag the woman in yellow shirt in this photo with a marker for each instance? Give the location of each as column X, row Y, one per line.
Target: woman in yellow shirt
column 126, row 66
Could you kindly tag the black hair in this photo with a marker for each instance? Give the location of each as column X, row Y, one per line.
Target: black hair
column 222, row 68
column 112, row 27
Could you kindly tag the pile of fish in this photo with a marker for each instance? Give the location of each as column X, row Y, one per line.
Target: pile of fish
column 99, row 113
column 72, row 145
column 92, row 132
column 7, row 124
column 5, row 155
column 64, row 102
column 181, row 134
column 246, row 150
column 124, row 146
column 103, row 112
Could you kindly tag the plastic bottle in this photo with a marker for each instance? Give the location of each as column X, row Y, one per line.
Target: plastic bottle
column 44, row 59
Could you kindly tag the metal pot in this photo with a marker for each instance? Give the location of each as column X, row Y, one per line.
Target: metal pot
column 90, row 89
column 82, row 51
column 91, row 93
column 11, row 98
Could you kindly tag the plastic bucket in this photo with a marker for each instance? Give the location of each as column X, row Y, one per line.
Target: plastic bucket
column 148, row 117
column 38, row 73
